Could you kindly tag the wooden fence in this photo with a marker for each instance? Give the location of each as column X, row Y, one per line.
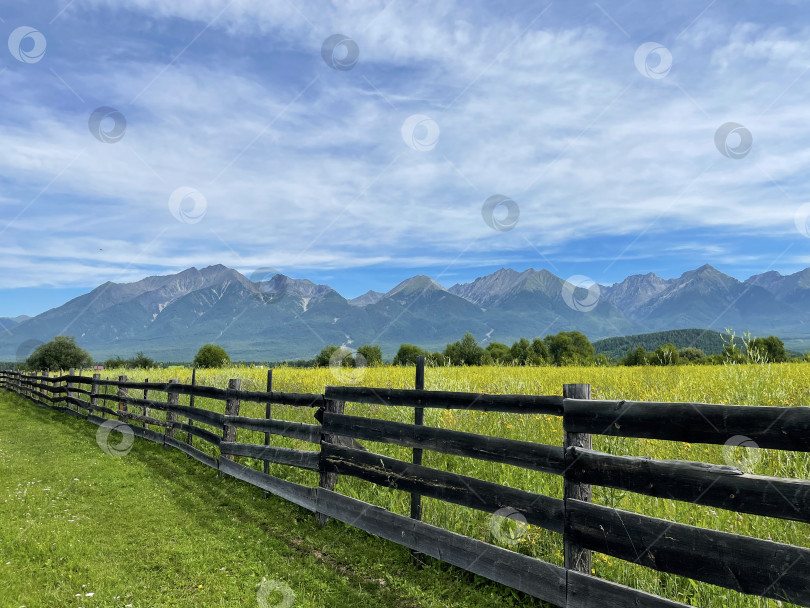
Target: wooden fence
column 748, row 565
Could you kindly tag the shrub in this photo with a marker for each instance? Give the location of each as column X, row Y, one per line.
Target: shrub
column 211, row 355
column 61, row 353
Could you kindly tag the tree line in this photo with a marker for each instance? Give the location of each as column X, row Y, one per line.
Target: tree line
column 565, row 348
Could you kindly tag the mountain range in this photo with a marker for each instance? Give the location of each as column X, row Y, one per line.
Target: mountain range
column 170, row 317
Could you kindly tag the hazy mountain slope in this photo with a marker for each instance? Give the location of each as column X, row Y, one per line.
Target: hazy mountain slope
column 170, row 317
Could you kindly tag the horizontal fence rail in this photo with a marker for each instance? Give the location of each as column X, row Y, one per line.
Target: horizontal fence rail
column 748, row 565
column 777, row 428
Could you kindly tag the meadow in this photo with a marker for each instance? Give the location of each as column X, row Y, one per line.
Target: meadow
column 156, row 529
column 784, row 385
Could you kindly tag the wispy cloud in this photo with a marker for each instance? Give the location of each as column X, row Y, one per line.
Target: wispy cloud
column 562, row 107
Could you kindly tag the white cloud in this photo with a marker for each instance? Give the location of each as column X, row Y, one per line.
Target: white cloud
column 556, row 117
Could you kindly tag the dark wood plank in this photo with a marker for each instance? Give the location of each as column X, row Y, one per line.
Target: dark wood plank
column 521, row 404
column 210, row 392
column 198, row 432
column 214, row 419
column 294, row 399
column 538, row 509
column 294, row 430
column 749, row 565
column 303, row 496
column 71, row 378
column 145, row 419
column 534, row 456
column 100, row 408
column 148, row 434
column 534, row 577
column 780, row 428
column 303, row 459
column 191, row 451
column 712, row 485
column 585, row 591
column 95, row 419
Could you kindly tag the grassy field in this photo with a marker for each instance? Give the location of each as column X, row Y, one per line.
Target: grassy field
column 782, row 385
column 83, row 529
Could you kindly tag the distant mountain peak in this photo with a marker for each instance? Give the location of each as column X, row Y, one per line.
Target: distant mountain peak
column 416, row 283
column 370, row 297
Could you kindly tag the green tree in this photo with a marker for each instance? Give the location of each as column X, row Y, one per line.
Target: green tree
column 436, row 359
column 570, row 348
column 372, row 354
column 407, row 354
column 61, row 353
column 116, row 362
column 770, row 349
column 666, row 354
column 323, row 357
column 690, row 354
column 141, row 361
column 499, row 353
column 211, row 355
column 638, row 356
column 465, row 351
column 521, row 352
column 541, row 350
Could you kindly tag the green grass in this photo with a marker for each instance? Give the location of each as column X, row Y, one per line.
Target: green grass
column 81, row 529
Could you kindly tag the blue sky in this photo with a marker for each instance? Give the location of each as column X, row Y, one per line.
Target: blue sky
column 244, row 147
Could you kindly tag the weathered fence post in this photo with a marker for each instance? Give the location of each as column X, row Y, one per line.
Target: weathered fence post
column 104, row 398
column 46, row 394
column 171, row 417
column 576, row 558
column 189, row 436
column 70, row 385
column 145, row 397
column 268, row 414
column 122, row 395
column 328, row 481
column 231, row 409
column 419, row 420
column 94, row 394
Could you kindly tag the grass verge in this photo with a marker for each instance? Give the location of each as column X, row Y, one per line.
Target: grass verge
column 82, row 529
